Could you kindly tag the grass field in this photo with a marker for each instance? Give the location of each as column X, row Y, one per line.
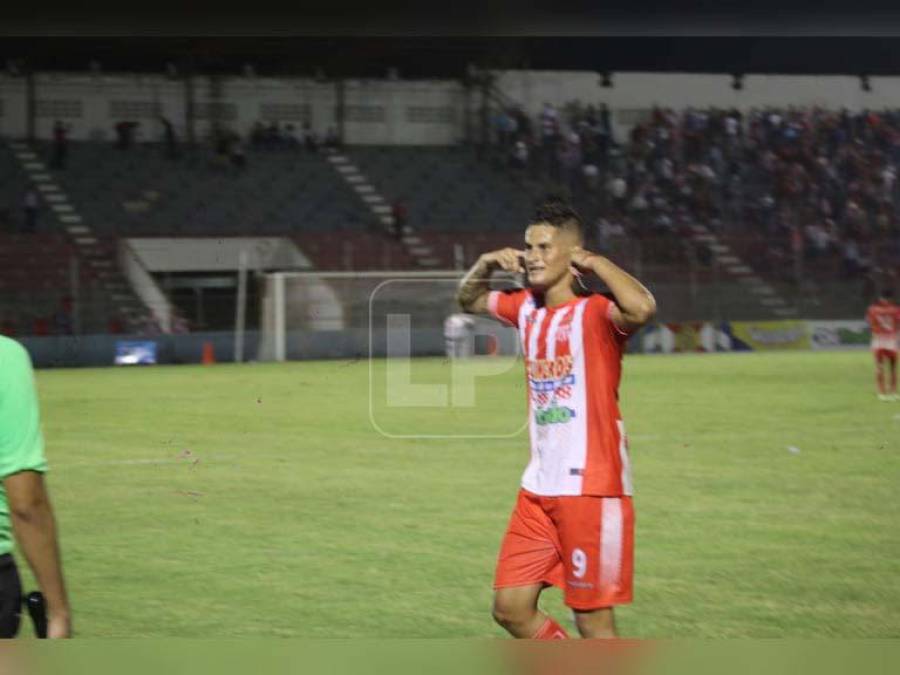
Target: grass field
column 259, row 500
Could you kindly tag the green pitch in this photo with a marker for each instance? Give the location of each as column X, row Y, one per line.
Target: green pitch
column 260, row 500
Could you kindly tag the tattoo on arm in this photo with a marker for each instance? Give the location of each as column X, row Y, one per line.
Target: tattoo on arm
column 474, row 285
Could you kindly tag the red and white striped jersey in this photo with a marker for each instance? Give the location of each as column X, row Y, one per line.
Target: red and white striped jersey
column 884, row 320
column 573, row 363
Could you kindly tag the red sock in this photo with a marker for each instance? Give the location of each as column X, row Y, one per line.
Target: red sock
column 550, row 630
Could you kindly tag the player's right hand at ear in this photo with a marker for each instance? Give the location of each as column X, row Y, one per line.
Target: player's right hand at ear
column 507, row 259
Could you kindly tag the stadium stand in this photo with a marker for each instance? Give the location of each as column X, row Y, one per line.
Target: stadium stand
column 807, row 200
column 41, row 272
column 823, row 182
column 138, row 191
column 446, row 189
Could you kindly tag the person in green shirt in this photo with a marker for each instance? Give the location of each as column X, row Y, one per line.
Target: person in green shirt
column 24, row 503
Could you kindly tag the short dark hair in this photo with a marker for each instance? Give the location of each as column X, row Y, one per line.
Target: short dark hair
column 887, row 293
column 557, row 212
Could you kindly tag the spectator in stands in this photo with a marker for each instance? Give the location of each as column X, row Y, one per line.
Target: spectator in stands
column 238, row 156
column 569, row 156
column 8, row 327
column 60, row 145
column 272, row 136
column 497, row 127
column 819, row 240
column 30, row 206
column 40, row 326
column 506, row 126
column 332, row 140
column 854, row 262
column 169, row 137
column 519, row 158
column 258, row 134
column 618, row 192
column 549, row 123
column 63, row 323
column 310, row 138
column 224, row 142
column 115, row 325
column 399, row 215
column 291, row 138
column 589, row 190
column 523, row 125
column 605, row 123
column 888, row 182
column 125, row 133
column 549, row 138
column 607, row 230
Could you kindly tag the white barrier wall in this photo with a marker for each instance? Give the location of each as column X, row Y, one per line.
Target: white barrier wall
column 377, row 111
column 91, row 106
column 145, row 286
column 402, row 112
column 216, row 254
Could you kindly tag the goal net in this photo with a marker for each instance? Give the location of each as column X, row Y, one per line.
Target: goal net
column 310, row 315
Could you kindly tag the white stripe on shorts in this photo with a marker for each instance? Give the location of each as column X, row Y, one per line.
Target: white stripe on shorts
column 888, row 342
column 610, row 541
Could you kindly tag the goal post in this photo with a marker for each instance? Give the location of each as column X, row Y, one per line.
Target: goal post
column 279, row 309
column 309, row 315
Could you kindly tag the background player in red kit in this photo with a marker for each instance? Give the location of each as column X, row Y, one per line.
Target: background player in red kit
column 573, row 524
column 884, row 320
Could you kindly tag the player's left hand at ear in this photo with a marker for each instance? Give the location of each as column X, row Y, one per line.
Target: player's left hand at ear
column 580, row 260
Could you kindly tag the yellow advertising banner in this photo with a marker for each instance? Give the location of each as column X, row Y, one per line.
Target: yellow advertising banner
column 688, row 336
column 765, row 335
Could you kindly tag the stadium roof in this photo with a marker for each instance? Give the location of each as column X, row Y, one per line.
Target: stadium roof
column 429, row 57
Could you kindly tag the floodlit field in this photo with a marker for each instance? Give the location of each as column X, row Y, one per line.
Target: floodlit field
column 259, row 500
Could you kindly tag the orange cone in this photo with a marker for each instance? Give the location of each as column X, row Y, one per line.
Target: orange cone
column 209, row 354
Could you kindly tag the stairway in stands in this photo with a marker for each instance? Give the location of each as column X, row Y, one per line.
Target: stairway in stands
column 769, row 300
column 99, row 256
column 422, row 254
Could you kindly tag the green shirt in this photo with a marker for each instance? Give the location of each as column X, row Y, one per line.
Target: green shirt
column 21, row 441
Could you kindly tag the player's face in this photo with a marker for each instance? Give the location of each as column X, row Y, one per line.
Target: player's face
column 547, row 255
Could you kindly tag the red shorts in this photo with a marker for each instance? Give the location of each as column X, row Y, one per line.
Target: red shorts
column 885, row 355
column 581, row 544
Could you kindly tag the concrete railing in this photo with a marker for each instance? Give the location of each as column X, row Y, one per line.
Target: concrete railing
column 145, row 286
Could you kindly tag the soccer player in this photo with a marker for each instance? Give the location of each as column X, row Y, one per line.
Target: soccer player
column 458, row 336
column 884, row 320
column 573, row 522
column 24, row 503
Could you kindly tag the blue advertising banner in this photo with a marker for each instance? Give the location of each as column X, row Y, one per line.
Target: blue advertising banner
column 135, row 352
